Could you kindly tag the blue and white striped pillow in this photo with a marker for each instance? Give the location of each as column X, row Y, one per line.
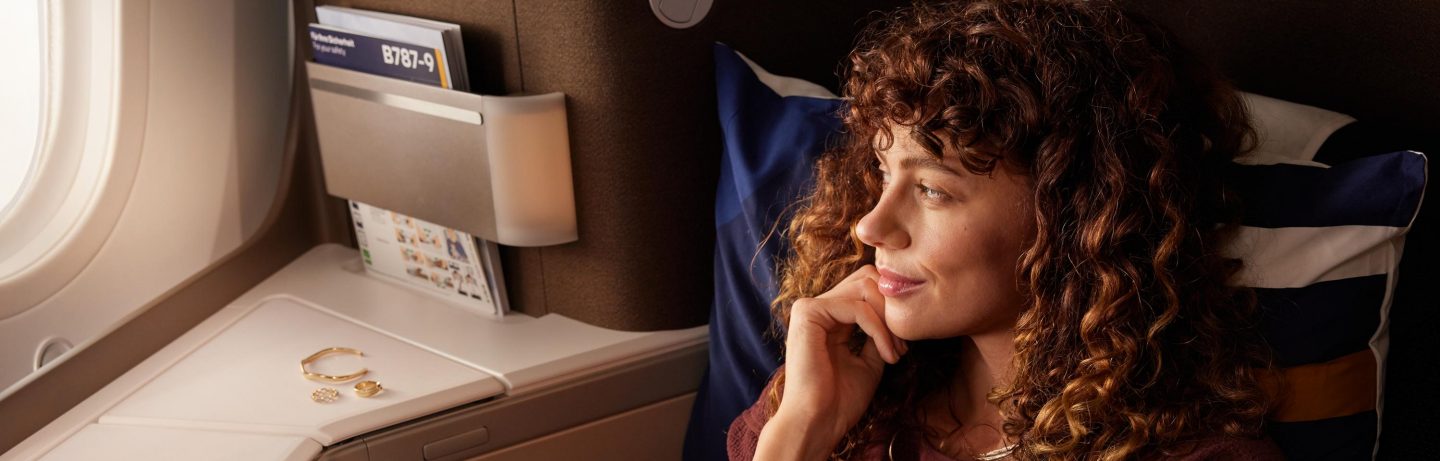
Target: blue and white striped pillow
column 1322, row 244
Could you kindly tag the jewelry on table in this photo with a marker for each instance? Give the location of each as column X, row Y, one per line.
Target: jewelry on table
column 325, row 395
column 366, row 389
column 331, row 378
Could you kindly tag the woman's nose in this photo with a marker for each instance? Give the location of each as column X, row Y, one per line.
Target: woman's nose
column 882, row 227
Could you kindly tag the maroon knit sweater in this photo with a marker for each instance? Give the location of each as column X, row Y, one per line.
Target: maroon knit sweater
column 745, row 432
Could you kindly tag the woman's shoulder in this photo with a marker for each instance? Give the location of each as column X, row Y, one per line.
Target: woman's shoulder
column 1228, row 448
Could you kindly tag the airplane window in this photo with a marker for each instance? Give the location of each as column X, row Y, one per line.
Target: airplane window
column 21, row 90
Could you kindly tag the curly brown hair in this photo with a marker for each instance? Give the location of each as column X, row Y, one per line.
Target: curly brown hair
column 1132, row 341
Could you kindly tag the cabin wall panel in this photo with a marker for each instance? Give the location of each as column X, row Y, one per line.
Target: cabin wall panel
column 219, row 86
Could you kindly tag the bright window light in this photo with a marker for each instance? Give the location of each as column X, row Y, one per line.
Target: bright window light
column 20, row 96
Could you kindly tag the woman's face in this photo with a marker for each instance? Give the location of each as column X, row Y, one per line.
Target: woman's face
column 947, row 243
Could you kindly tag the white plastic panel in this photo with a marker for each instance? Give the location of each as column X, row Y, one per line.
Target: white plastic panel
column 209, row 379
column 248, row 379
column 522, row 351
column 100, row 441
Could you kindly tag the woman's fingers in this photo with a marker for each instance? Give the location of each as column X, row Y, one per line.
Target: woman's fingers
column 870, row 293
column 832, row 315
column 860, row 285
column 827, row 382
column 868, row 313
column 864, row 315
column 864, row 272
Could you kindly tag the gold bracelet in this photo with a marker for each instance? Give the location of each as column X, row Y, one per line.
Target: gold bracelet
column 331, row 378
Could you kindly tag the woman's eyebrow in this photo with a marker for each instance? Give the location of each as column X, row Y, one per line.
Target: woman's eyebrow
column 929, row 163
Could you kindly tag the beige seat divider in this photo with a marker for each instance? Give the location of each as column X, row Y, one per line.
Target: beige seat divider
column 497, row 167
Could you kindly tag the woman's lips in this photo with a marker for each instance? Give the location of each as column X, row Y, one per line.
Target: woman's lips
column 894, row 285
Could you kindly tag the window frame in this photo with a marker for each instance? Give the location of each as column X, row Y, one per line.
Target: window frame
column 7, row 201
column 95, row 86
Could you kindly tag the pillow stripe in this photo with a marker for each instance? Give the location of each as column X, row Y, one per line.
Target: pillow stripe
column 1345, row 194
column 1340, row 387
column 782, row 86
column 1289, row 131
column 1324, row 321
column 1293, row 257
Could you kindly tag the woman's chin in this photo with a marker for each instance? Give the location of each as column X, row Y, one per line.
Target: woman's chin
column 914, row 325
column 907, row 327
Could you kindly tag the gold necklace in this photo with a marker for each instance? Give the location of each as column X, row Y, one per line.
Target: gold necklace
column 992, row 455
column 997, row 453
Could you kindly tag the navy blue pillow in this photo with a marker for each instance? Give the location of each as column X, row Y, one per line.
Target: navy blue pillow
column 774, row 128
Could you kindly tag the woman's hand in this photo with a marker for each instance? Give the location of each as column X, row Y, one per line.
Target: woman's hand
column 827, row 386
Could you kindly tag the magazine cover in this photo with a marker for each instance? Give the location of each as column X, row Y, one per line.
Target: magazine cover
column 355, row 51
column 426, row 255
column 442, row 36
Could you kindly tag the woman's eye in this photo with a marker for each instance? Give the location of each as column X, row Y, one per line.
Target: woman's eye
column 931, row 194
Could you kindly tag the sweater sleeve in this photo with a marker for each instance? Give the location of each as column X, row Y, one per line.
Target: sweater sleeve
column 744, row 434
column 1234, row 449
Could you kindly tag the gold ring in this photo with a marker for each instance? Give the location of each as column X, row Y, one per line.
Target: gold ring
column 368, row 388
column 331, row 378
column 325, row 395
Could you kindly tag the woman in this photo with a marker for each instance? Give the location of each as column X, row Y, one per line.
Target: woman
column 1015, row 253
